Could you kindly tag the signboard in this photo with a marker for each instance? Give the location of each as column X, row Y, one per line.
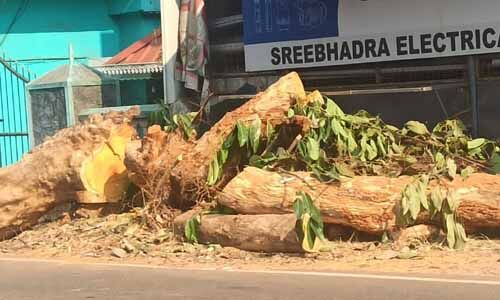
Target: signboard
column 284, row 34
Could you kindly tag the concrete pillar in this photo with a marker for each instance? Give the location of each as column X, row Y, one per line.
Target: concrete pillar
column 170, row 42
column 473, row 94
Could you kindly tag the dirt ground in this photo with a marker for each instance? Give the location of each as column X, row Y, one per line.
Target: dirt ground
column 121, row 239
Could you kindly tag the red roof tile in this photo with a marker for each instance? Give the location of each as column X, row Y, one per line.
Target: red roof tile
column 147, row 50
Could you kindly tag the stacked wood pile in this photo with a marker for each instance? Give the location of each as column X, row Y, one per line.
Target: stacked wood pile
column 98, row 160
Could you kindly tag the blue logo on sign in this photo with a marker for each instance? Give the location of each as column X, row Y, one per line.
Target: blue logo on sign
column 287, row 20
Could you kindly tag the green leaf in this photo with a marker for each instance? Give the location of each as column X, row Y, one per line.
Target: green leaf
column 450, row 229
column 460, row 236
column 185, row 123
column 465, row 173
column 222, row 156
column 213, row 172
column 364, row 148
column 372, row 150
column 437, row 198
column 291, row 113
column 313, row 148
column 422, row 195
column 308, row 242
column 357, row 119
column 345, row 170
column 228, row 143
column 352, row 146
column 391, row 128
column 191, row 229
column 381, row 145
column 269, row 131
column 440, row 161
column 417, row 128
column 332, row 109
column 475, row 143
column 317, row 229
column 338, row 129
column 254, row 134
column 405, row 203
column 210, row 177
column 453, row 128
column 243, row 132
column 414, row 206
column 495, row 163
column 410, row 201
column 311, row 223
column 452, row 200
column 298, row 208
column 396, row 148
column 452, row 168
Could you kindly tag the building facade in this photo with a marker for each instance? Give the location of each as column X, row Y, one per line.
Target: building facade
column 36, row 33
column 35, row 37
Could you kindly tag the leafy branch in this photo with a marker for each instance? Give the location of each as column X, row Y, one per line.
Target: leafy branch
column 310, row 224
column 438, row 202
column 171, row 122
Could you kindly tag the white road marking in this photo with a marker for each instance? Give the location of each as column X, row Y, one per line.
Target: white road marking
column 375, row 276
column 277, row 272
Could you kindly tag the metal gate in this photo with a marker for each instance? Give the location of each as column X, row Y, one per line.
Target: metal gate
column 14, row 137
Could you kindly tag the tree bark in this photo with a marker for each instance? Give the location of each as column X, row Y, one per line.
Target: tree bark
column 415, row 234
column 270, row 106
column 366, row 203
column 261, row 233
column 85, row 161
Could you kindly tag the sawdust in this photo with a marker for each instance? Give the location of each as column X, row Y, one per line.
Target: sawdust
column 123, row 239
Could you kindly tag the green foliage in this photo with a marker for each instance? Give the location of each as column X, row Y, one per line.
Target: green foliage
column 191, row 229
column 254, row 134
column 248, row 138
column 312, row 147
column 171, row 122
column 417, row 128
column 214, row 171
column 339, row 144
column 495, row 163
column 310, row 221
column 438, row 202
column 243, row 133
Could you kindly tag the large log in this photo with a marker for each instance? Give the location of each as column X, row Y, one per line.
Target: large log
column 83, row 163
column 366, row 203
column 261, row 233
column 270, row 106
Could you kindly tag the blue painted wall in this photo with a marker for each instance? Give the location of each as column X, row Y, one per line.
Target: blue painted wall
column 135, row 26
column 36, row 33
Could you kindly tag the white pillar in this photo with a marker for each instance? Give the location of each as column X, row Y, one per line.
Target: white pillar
column 170, row 41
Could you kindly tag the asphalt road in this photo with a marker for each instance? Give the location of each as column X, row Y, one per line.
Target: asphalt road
column 47, row 280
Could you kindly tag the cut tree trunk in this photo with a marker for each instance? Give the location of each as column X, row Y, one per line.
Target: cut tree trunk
column 417, row 234
column 261, row 233
column 150, row 161
column 270, row 106
column 366, row 203
column 82, row 163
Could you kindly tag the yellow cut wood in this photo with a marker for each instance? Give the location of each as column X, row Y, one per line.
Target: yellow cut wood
column 104, row 174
